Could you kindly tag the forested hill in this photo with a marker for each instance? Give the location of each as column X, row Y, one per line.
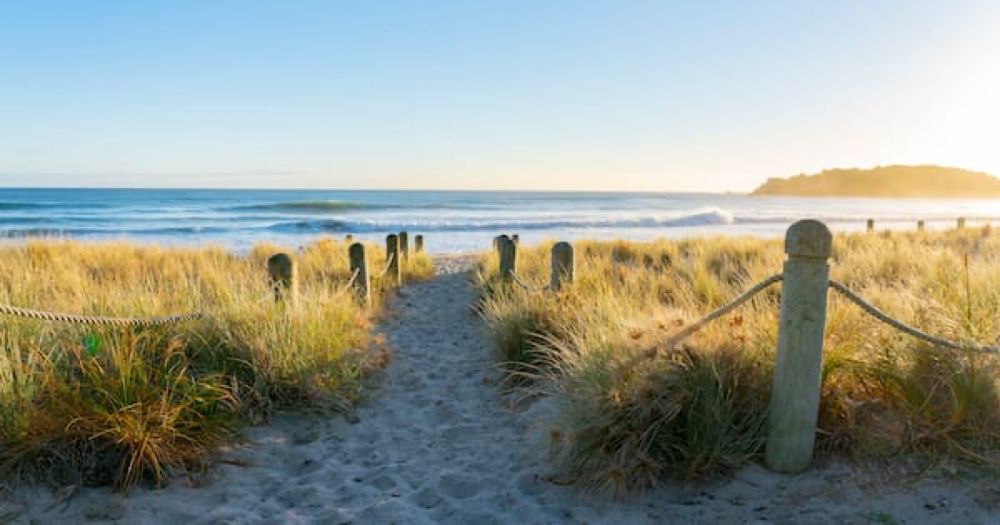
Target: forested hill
column 887, row 181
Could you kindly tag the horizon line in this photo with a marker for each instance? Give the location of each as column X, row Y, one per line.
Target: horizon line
column 452, row 190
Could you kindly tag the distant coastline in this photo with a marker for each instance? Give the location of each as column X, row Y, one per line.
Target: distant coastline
column 925, row 181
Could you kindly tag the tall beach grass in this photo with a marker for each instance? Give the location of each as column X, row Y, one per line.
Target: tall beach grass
column 99, row 405
column 626, row 421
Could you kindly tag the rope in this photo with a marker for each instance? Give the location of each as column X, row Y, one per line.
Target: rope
column 86, row 319
column 350, row 282
column 871, row 310
column 354, row 277
column 675, row 339
column 388, row 262
column 722, row 310
column 526, row 287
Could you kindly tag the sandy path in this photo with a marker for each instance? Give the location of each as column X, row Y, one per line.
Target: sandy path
column 437, row 445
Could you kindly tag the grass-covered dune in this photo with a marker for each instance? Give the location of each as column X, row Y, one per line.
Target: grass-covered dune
column 93, row 405
column 626, row 420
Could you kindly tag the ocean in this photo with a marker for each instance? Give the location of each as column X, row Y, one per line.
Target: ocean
column 451, row 221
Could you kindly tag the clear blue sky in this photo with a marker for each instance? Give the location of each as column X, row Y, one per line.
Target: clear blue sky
column 467, row 94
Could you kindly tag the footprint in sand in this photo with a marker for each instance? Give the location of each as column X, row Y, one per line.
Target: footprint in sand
column 459, row 486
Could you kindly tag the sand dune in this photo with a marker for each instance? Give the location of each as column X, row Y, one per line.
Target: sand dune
column 437, row 444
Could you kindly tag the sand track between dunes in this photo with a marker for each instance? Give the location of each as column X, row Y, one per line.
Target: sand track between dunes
column 437, row 444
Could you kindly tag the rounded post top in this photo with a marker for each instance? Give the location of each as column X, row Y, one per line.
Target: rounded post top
column 356, row 249
column 562, row 247
column 280, row 261
column 808, row 238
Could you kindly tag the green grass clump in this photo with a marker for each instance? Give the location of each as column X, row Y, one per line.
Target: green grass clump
column 108, row 405
column 627, row 420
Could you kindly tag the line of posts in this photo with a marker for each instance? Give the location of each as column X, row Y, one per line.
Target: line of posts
column 959, row 225
column 796, row 383
column 282, row 273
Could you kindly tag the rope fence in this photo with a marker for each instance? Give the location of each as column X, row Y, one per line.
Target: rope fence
column 797, row 376
column 354, row 277
column 41, row 315
column 689, row 330
column 281, row 275
column 874, row 312
column 350, row 282
column 388, row 264
column 526, row 286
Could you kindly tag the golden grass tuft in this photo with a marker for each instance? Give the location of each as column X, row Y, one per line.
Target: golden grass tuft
column 99, row 405
column 628, row 421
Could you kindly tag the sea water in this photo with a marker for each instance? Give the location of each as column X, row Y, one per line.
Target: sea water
column 451, row 221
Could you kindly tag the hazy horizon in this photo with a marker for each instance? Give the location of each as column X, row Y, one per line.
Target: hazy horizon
column 560, row 96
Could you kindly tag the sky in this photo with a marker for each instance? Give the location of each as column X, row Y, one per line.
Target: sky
column 561, row 94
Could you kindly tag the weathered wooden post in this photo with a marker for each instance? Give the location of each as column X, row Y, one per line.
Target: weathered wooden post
column 960, row 223
column 562, row 265
column 418, row 243
column 394, row 272
column 281, row 273
column 361, row 285
column 920, row 225
column 404, row 246
column 516, row 238
column 871, row 225
column 987, row 229
column 796, row 389
column 508, row 256
column 349, row 238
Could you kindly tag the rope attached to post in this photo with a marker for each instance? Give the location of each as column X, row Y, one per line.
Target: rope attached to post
column 95, row 320
column 873, row 311
column 527, row 287
column 350, row 282
column 722, row 310
column 388, row 262
column 689, row 330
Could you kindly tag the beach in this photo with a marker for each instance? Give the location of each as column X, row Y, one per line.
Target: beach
column 570, row 262
column 437, row 441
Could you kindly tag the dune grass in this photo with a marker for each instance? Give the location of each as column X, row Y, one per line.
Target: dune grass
column 626, row 421
column 105, row 405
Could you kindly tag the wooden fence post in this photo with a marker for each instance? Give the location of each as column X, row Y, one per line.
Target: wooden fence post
column 562, row 265
column 796, row 389
column 920, row 225
column 418, row 243
column 281, row 274
column 516, row 238
column 404, row 246
column 871, row 225
column 394, row 274
column 508, row 257
column 361, row 285
column 960, row 223
column 349, row 238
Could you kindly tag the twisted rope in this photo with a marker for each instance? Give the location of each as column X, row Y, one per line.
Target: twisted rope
column 723, row 310
column 871, row 310
column 690, row 329
column 350, row 282
column 87, row 319
column 354, row 277
column 524, row 285
column 388, row 262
